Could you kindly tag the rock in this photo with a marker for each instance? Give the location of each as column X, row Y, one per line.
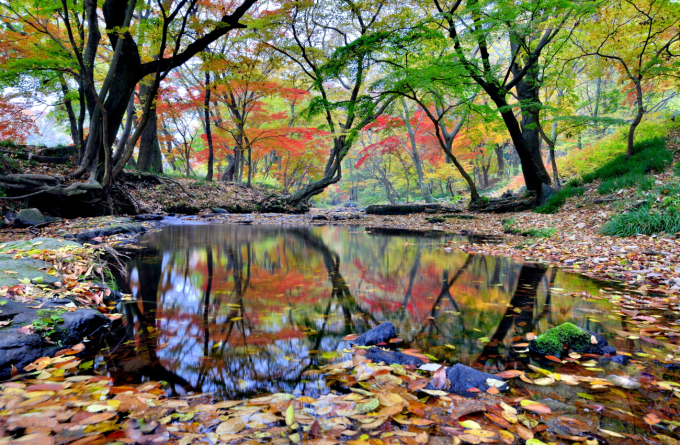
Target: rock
column 464, row 377
column 619, row 359
column 568, row 336
column 112, row 227
column 430, row 211
column 219, row 210
column 380, row 334
column 378, row 355
column 546, row 193
column 148, row 217
column 24, row 268
column 507, row 194
column 319, row 218
column 29, row 218
column 41, row 244
column 522, row 190
column 351, row 204
column 20, row 349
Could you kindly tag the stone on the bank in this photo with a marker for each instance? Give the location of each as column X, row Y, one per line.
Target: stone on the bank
column 463, row 378
column 24, row 268
column 110, row 227
column 546, row 193
column 378, row 355
column 19, row 349
column 568, row 336
column 148, row 217
column 29, row 218
column 382, row 333
column 40, row 244
column 219, row 210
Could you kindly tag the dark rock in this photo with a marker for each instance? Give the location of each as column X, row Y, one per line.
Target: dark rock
column 351, row 204
column 430, row 211
column 148, row 217
column 29, row 218
column 51, row 219
column 20, row 349
column 319, row 218
column 609, row 350
column 546, row 193
column 507, row 194
column 219, row 210
column 463, row 378
column 380, row 334
column 116, row 227
column 619, row 359
column 378, row 355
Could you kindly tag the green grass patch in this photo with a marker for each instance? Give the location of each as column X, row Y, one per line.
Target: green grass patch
column 644, row 221
column 531, row 232
column 650, row 155
column 557, row 200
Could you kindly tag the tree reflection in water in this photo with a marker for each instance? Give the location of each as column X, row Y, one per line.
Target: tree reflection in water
column 241, row 310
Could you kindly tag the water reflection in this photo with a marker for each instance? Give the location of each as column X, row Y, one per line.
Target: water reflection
column 239, row 310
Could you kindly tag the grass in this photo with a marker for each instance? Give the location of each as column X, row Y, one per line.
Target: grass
column 531, row 232
column 557, row 200
column 650, row 155
column 620, row 172
column 644, row 221
column 655, row 216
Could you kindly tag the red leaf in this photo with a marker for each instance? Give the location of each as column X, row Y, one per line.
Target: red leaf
column 351, row 337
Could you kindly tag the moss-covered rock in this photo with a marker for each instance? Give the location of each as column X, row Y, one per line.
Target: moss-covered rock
column 567, row 336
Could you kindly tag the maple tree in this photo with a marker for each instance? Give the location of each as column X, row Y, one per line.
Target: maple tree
column 641, row 39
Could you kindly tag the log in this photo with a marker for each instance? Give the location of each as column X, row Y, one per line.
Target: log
column 408, row 209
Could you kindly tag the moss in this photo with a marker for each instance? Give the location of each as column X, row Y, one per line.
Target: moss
column 554, row 340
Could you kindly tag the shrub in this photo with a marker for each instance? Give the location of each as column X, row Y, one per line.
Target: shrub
column 544, row 232
column 557, row 200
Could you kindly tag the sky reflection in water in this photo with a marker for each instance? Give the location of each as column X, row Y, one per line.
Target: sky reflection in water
column 240, row 310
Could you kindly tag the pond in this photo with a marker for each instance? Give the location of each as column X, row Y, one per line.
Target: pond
column 241, row 310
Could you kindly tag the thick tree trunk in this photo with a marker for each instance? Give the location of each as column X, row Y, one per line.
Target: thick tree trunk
column 206, row 127
column 150, row 158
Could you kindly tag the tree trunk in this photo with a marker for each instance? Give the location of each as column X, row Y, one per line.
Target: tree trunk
column 630, row 151
column 206, row 127
column 149, row 158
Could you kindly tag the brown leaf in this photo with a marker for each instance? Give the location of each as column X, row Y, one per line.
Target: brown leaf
column 418, row 384
column 439, row 378
column 97, row 418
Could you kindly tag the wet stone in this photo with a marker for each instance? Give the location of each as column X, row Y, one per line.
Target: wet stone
column 378, row 355
column 383, row 333
column 463, row 378
column 29, row 218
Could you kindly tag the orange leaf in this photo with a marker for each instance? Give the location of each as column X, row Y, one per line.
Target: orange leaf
column 553, row 358
column 351, row 337
column 652, row 419
column 492, row 390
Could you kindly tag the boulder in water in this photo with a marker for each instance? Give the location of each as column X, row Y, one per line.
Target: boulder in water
column 382, row 333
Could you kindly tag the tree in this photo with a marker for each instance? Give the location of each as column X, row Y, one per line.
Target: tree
column 335, row 45
column 527, row 28
column 642, row 39
column 181, row 30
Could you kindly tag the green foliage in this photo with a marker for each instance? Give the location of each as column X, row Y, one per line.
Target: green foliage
column 631, row 179
column 553, row 341
column 557, row 200
column 531, row 232
column 48, row 322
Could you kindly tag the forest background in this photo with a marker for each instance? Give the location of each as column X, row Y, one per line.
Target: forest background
column 334, row 101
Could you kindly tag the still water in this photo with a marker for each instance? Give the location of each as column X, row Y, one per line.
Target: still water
column 238, row 310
